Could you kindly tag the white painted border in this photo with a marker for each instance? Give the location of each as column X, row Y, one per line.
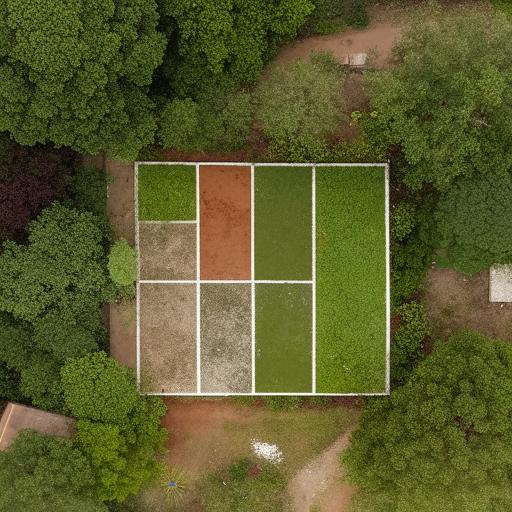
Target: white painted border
column 198, row 282
column 220, row 281
column 167, row 222
column 253, row 281
column 313, row 278
column 253, row 292
column 137, row 284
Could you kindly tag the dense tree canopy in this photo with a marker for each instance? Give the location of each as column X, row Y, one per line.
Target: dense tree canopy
column 118, row 430
column 234, row 36
column 474, row 220
column 41, row 473
column 76, row 73
column 448, row 102
column 442, row 442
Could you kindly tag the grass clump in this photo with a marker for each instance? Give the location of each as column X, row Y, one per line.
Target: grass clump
column 167, row 192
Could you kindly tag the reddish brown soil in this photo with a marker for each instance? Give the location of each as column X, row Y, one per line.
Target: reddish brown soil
column 457, row 302
column 225, row 195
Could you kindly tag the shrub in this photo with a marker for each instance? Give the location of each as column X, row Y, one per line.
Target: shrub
column 403, row 221
column 122, row 263
column 9, row 383
column 179, row 123
column 300, row 104
column 473, row 221
column 408, row 340
column 448, row 103
column 442, row 441
column 330, row 16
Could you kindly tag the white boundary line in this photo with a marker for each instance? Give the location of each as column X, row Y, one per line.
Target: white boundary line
column 167, row 222
column 313, row 278
column 253, row 292
column 198, row 281
column 388, row 281
column 137, row 284
column 219, row 281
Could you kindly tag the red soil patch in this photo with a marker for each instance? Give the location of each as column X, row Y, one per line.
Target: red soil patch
column 225, row 196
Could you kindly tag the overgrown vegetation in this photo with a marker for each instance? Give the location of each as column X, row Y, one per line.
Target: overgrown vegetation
column 442, row 441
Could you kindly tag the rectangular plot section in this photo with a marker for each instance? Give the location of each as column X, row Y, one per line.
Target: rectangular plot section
column 282, row 223
column 167, row 251
column 226, row 345
column 225, row 229
column 168, row 338
column 283, row 338
column 350, row 280
column 167, row 192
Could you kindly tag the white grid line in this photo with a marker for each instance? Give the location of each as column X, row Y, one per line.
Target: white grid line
column 220, row 281
column 198, row 283
column 253, row 292
column 252, row 281
column 167, row 222
column 137, row 284
column 313, row 277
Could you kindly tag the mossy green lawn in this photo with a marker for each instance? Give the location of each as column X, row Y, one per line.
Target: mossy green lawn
column 350, row 280
column 282, row 223
column 167, row 192
column 283, row 338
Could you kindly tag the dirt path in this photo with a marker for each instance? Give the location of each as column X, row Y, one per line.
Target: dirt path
column 379, row 37
column 320, row 482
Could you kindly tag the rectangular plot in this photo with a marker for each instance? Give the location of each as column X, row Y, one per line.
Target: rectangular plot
column 167, row 192
column 283, row 338
column 350, row 280
column 167, row 251
column 168, row 337
column 226, row 346
column 282, row 223
column 225, row 236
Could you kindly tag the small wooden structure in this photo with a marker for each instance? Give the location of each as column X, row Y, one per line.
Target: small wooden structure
column 17, row 417
column 355, row 60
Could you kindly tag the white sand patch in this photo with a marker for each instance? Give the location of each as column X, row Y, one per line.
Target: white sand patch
column 267, row 451
column 500, row 283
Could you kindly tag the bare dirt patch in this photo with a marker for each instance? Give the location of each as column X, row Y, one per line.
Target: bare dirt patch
column 120, row 203
column 455, row 302
column 321, row 484
column 226, row 338
column 123, row 325
column 225, row 195
column 167, row 250
column 168, row 337
column 378, row 38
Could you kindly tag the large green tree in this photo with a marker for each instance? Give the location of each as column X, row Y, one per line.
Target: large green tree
column 443, row 441
column 474, row 220
column 51, row 293
column 40, row 473
column 234, row 36
column 76, row 73
column 448, row 101
column 118, row 430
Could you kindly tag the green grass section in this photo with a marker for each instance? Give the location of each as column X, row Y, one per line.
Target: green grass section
column 167, row 192
column 505, row 6
column 350, row 280
column 282, row 223
column 283, row 338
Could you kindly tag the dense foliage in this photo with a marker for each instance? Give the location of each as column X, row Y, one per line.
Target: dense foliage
column 330, row 16
column 234, row 37
column 473, row 220
column 51, row 293
column 442, row 441
column 122, row 263
column 41, row 473
column 300, row 105
column 448, row 103
column 118, row 430
column 76, row 74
